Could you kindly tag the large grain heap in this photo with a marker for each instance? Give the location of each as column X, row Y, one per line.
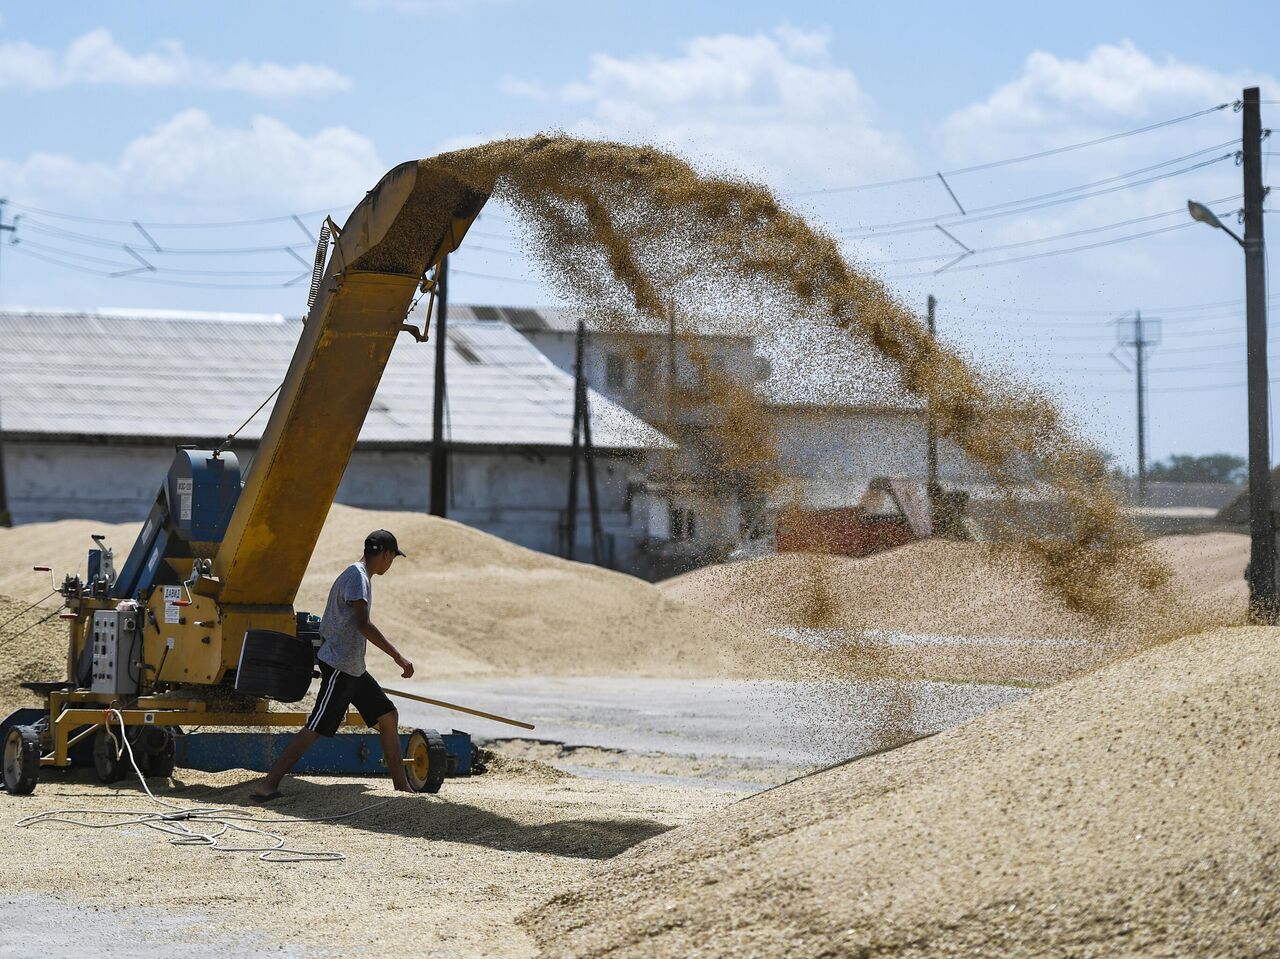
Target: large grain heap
column 971, row 590
column 631, row 233
column 1129, row 813
column 462, row 604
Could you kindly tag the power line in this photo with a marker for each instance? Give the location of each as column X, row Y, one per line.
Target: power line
column 1013, row 207
column 1011, row 160
column 1048, row 253
column 32, row 244
column 1180, row 211
column 157, row 280
column 91, row 240
column 260, row 221
column 1065, row 311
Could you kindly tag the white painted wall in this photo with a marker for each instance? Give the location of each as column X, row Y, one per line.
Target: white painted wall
column 113, row 484
column 519, row 497
column 835, row 453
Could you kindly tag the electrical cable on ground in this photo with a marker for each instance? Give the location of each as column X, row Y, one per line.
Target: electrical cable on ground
column 181, row 822
column 27, row 629
column 24, row 612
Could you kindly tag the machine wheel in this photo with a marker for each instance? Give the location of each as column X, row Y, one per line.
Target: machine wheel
column 159, row 753
column 21, row 760
column 426, row 761
column 107, row 763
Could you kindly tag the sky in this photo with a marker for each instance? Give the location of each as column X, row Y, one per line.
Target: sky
column 184, row 116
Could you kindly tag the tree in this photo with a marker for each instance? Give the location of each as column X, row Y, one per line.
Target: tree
column 1214, row 468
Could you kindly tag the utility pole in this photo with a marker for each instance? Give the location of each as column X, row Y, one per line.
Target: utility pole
column 1140, row 335
column 575, row 448
column 6, row 518
column 439, row 449
column 582, row 447
column 1261, row 571
column 932, row 486
column 1139, row 345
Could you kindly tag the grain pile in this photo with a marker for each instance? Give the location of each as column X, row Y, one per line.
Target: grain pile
column 465, row 603
column 970, row 589
column 29, row 649
column 1129, row 813
column 969, row 611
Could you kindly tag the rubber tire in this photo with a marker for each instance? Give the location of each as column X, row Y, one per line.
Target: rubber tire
column 437, row 761
column 109, row 767
column 154, row 750
column 161, row 753
column 21, row 760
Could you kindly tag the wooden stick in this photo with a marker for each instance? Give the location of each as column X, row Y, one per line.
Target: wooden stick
column 454, row 706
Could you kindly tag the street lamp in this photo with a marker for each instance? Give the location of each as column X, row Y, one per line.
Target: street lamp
column 1203, row 214
column 1264, row 605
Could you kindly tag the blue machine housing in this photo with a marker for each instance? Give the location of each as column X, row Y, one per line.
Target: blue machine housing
column 193, row 507
column 203, row 489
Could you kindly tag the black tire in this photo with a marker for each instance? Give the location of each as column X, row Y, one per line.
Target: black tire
column 426, row 761
column 109, row 765
column 161, row 752
column 21, row 760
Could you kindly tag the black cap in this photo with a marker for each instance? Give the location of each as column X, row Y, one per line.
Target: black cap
column 379, row 540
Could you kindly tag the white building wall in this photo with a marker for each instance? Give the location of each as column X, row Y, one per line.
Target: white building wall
column 835, row 453
column 112, row 484
column 519, row 497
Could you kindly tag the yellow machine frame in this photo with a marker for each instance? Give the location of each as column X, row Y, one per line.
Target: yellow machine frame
column 402, row 230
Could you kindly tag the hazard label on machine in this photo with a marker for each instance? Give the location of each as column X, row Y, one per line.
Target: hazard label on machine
column 171, row 596
column 184, row 499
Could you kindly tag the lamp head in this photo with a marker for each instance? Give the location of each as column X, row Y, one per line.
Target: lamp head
column 1202, row 213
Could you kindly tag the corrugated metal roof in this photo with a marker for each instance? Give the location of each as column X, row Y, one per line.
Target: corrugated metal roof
column 183, row 375
column 565, row 320
column 816, row 368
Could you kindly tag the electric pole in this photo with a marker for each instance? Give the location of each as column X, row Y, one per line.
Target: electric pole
column 1261, row 571
column 439, row 451
column 1139, row 336
column 6, row 518
column 581, row 447
column 932, row 452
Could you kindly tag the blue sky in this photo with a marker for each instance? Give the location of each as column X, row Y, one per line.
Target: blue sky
column 178, row 113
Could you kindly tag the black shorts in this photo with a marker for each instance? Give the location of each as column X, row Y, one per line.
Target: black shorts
column 339, row 690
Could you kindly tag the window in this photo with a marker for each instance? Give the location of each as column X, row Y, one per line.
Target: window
column 615, row 371
column 684, row 525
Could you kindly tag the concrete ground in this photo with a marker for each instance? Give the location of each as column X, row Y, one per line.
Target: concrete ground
column 747, row 727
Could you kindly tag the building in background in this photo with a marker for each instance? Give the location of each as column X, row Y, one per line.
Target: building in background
column 94, row 403
column 840, row 421
column 697, row 513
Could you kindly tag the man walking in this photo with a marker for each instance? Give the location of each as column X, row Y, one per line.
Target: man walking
column 345, row 629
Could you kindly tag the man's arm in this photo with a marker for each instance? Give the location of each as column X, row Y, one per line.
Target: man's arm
column 374, row 635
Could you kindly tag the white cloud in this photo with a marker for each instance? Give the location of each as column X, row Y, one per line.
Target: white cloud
column 96, row 58
column 191, row 168
column 1058, row 100
column 771, row 105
